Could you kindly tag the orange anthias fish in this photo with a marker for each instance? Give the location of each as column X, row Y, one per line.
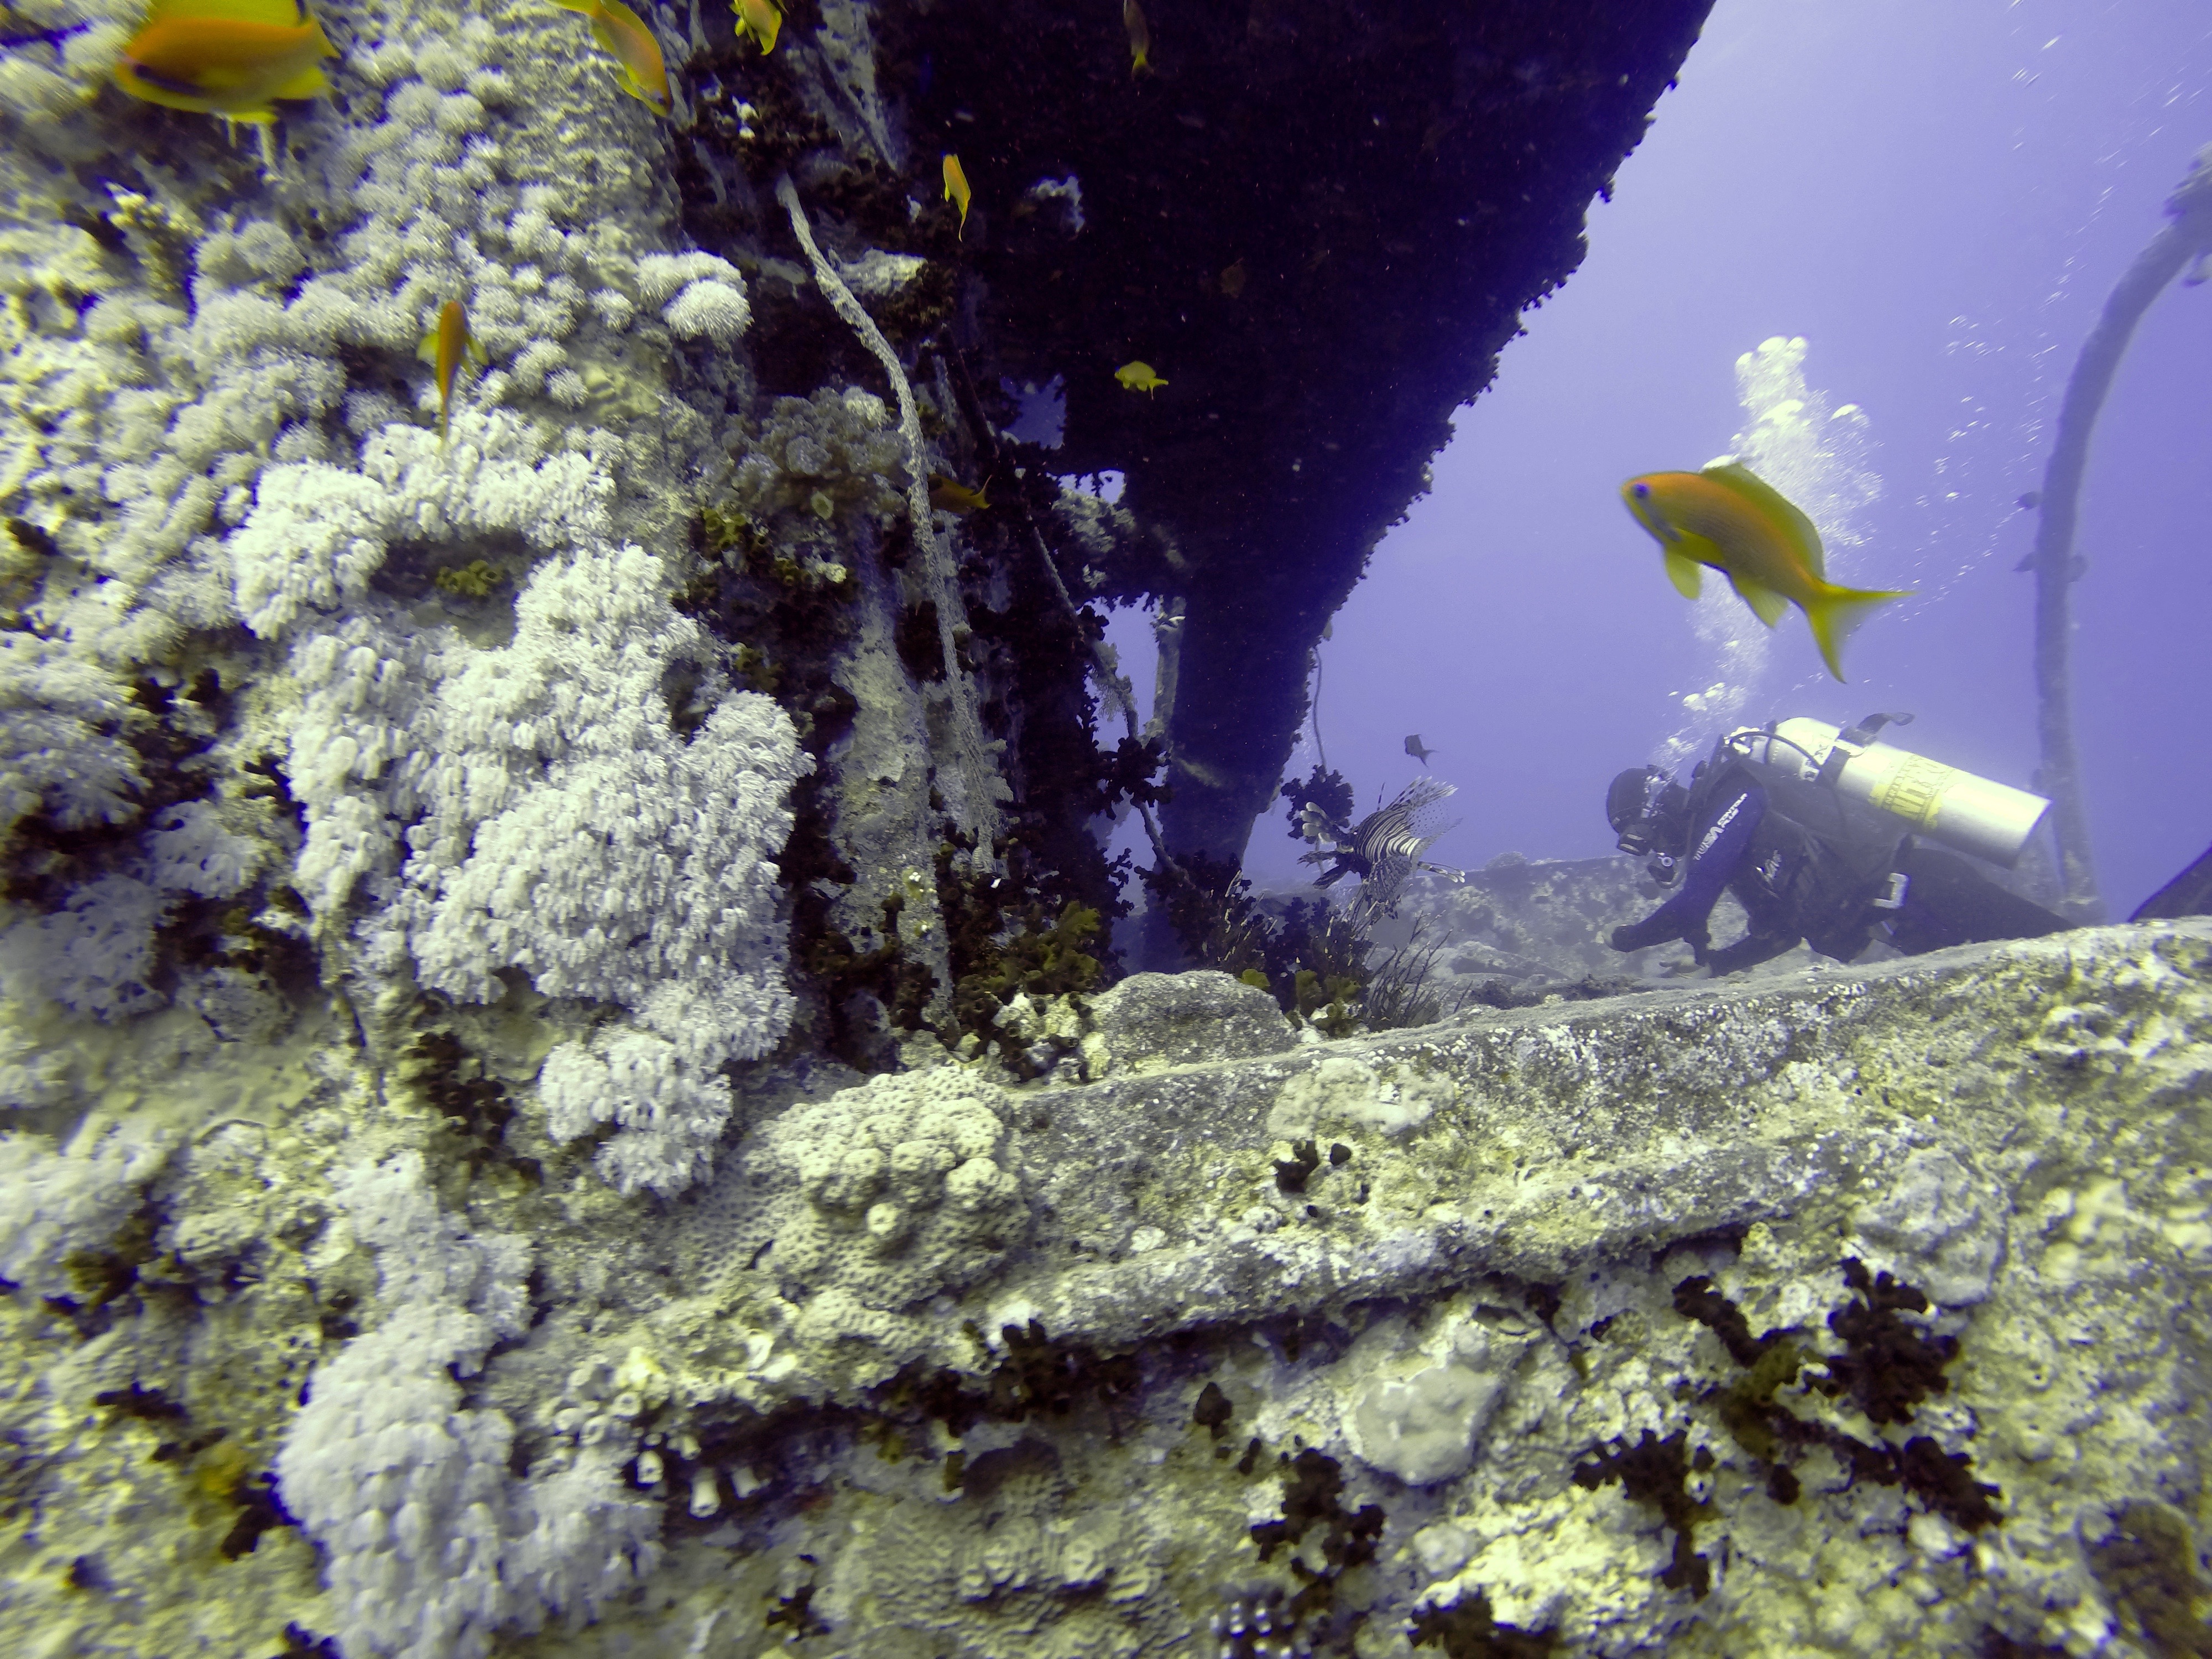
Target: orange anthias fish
column 950, row 495
column 624, row 36
column 1138, row 376
column 1140, row 37
column 443, row 349
column 761, row 19
column 227, row 57
column 956, row 188
column 1730, row 518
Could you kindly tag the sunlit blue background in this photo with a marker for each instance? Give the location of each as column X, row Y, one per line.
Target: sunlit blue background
column 1939, row 195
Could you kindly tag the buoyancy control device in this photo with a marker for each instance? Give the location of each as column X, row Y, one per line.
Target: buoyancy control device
column 1972, row 814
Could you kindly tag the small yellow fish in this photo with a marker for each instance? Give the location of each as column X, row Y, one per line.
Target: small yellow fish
column 956, row 188
column 1138, row 376
column 640, row 71
column 1728, row 517
column 761, row 19
column 227, row 57
column 950, row 495
column 443, row 347
column 1140, row 37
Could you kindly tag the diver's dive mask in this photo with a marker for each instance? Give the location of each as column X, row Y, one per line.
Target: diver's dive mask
column 1637, row 807
column 1631, row 802
column 1640, row 838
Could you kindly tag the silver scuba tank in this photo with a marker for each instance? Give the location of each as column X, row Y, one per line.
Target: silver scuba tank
column 1990, row 820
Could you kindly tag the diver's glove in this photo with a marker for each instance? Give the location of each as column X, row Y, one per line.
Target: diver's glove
column 1655, row 929
column 1747, row 952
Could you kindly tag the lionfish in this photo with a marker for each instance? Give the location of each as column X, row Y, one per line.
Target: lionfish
column 1385, row 847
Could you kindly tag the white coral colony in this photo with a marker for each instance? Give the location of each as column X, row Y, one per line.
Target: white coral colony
column 428, row 790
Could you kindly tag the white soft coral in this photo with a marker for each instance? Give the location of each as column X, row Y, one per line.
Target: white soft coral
column 61, row 747
column 431, row 1542
column 562, row 824
column 318, row 532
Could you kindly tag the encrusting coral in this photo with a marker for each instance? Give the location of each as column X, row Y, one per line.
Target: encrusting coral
column 462, row 741
column 432, row 1543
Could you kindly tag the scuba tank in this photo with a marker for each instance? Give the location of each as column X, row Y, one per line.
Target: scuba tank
column 1990, row 820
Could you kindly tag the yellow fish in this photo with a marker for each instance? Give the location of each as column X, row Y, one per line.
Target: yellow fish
column 443, row 347
column 1728, row 517
column 624, row 36
column 761, row 19
column 227, row 57
column 1138, row 376
column 956, row 188
column 950, row 495
column 1140, row 37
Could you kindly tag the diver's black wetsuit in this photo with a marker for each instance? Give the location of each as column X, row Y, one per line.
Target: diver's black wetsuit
column 1748, row 834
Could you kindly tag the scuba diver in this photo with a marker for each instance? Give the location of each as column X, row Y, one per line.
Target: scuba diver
column 1810, row 829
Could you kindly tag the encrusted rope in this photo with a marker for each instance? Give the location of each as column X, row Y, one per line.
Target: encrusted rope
column 978, row 813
